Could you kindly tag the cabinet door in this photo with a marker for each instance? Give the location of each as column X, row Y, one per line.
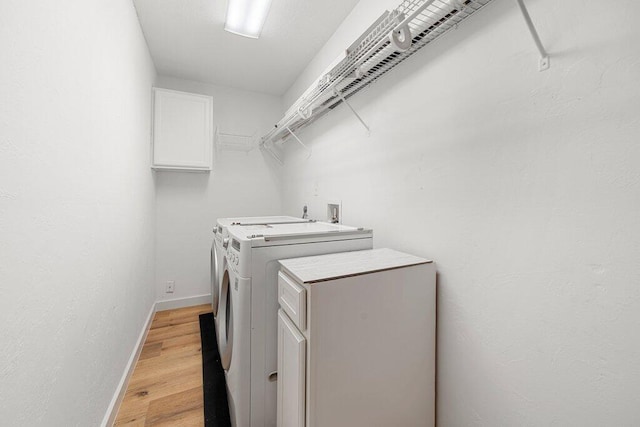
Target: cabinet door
column 291, row 373
column 182, row 130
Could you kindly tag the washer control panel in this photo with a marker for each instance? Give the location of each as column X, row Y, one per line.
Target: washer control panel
column 234, row 255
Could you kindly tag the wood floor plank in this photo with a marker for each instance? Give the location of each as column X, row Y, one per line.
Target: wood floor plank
column 172, row 331
column 149, row 381
column 172, row 317
column 169, row 344
column 166, row 385
column 138, row 398
column 139, row 422
column 165, row 366
column 177, row 409
column 132, row 414
column 151, row 350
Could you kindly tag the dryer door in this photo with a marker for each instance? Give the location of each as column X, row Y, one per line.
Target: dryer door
column 237, row 355
column 225, row 320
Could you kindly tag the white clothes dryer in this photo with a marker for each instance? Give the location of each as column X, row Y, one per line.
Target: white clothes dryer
column 218, row 249
column 248, row 307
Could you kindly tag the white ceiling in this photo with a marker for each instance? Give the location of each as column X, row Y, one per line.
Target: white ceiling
column 187, row 40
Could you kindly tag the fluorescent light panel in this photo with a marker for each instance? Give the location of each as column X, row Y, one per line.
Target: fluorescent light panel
column 246, row 17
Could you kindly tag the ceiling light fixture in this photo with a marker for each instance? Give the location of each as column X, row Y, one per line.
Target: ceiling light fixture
column 246, row 17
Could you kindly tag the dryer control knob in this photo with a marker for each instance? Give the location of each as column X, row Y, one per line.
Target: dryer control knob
column 225, row 242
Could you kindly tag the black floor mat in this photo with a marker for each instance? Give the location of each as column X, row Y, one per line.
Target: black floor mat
column 216, row 407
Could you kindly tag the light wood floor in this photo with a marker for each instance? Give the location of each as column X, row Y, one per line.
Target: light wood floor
column 166, row 386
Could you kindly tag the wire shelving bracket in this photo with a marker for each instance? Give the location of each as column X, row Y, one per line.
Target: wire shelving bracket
column 300, row 142
column 225, row 141
column 544, row 62
column 342, row 98
column 394, row 37
column 269, row 148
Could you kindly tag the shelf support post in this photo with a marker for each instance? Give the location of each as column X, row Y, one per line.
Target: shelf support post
column 299, row 142
column 270, row 150
column 339, row 95
column 544, row 56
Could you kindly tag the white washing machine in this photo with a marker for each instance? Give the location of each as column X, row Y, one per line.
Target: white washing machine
column 218, row 249
column 248, row 307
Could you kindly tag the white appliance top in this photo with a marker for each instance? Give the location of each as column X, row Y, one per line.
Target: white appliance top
column 226, row 222
column 245, row 232
column 321, row 268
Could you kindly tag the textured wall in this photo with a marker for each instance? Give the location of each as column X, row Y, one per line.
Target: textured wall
column 241, row 184
column 76, row 206
column 525, row 189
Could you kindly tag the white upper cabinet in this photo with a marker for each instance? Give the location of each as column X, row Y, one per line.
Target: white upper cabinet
column 182, row 131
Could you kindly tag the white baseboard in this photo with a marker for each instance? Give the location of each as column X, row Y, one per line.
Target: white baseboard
column 114, row 406
column 183, row 302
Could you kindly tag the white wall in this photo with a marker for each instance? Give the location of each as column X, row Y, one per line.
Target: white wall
column 523, row 186
column 76, row 206
column 241, row 184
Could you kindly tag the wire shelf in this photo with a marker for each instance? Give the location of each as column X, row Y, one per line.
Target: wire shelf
column 394, row 37
column 234, row 142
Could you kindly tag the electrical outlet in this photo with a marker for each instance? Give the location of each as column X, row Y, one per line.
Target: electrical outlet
column 171, row 285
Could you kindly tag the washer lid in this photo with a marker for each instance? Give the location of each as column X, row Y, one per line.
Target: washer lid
column 252, row 220
column 321, row 268
column 287, row 234
column 289, row 229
